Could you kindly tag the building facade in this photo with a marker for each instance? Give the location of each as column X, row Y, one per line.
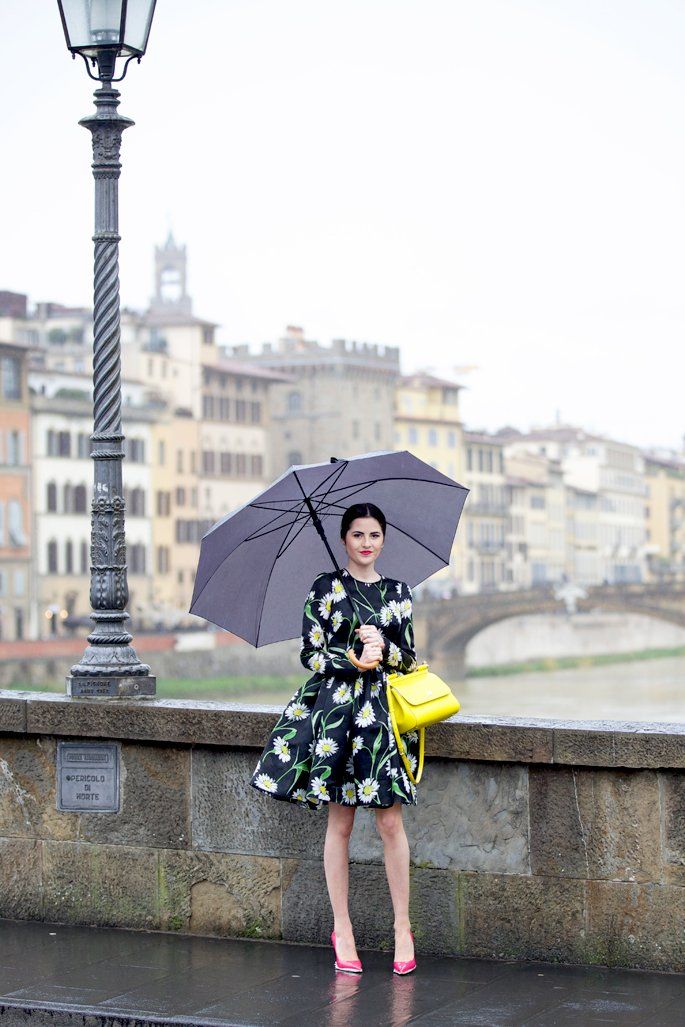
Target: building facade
column 62, row 482
column 665, row 515
column 15, row 493
column 336, row 400
column 428, row 424
column 484, row 522
column 536, row 529
column 612, row 472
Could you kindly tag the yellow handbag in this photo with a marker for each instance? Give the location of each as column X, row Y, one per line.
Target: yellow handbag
column 415, row 701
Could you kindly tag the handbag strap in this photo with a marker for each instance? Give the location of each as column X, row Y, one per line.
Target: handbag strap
column 401, row 748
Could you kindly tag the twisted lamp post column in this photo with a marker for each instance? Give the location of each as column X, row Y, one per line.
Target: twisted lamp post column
column 109, row 665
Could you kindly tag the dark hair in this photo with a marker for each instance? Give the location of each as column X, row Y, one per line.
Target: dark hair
column 361, row 510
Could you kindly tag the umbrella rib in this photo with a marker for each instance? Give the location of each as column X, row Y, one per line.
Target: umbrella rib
column 330, row 487
column 418, row 541
column 339, row 467
column 286, row 544
column 400, row 477
column 265, row 529
column 260, row 605
column 316, row 519
column 264, row 505
column 279, row 514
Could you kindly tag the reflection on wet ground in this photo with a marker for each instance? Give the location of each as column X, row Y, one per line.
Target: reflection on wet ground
column 69, row 975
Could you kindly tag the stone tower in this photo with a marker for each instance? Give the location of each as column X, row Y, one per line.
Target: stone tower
column 171, row 297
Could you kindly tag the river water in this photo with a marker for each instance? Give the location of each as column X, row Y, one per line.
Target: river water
column 651, row 690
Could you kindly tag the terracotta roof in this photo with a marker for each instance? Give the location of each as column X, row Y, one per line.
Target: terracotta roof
column 423, row 378
column 481, row 436
column 244, row 369
column 674, row 462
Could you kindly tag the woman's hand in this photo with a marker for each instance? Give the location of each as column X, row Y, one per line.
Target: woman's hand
column 370, row 633
column 371, row 652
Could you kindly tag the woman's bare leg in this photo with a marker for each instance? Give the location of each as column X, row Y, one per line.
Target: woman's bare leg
column 337, row 868
column 396, row 850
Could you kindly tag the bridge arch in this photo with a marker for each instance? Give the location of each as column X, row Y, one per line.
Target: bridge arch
column 445, row 627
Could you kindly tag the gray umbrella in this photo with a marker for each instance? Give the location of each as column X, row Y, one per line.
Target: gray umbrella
column 257, row 564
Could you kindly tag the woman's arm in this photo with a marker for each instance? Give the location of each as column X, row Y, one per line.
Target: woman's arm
column 315, row 652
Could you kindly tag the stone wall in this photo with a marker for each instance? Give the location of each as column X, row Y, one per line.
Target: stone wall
column 534, row 839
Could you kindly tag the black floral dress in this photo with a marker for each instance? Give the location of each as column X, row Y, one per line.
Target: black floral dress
column 334, row 741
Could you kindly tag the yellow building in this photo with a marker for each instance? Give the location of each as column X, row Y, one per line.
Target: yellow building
column 665, row 516
column 428, row 424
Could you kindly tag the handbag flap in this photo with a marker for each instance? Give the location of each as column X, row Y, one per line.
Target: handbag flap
column 426, row 689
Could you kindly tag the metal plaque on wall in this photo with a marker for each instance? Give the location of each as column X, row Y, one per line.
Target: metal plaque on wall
column 88, row 777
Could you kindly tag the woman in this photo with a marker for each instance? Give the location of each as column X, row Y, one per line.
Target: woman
column 333, row 744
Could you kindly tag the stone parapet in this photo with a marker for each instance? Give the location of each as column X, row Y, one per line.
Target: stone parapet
column 594, row 743
column 552, row 840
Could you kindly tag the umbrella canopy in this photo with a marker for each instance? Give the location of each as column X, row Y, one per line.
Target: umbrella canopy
column 257, row 564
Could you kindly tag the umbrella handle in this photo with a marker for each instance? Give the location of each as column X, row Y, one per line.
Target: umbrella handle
column 359, row 664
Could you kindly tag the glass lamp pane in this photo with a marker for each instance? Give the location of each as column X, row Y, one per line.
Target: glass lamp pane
column 105, row 22
column 138, row 21
column 92, row 23
column 76, row 22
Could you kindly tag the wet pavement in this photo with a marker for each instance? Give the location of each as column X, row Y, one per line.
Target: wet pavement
column 53, row 974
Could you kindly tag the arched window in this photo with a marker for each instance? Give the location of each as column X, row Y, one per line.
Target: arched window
column 69, row 557
column 84, row 558
column 137, row 498
column 294, row 402
column 80, row 498
column 68, row 498
column 51, row 498
column 52, row 557
column 136, row 560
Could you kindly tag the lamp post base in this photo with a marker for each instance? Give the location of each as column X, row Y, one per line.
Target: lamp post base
column 110, row 686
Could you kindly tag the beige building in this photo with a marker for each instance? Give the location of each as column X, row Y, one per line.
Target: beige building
column 428, row 424
column 484, row 522
column 665, row 515
column 339, row 400
column 176, row 522
column 62, row 479
column 197, row 447
column 235, row 434
column 583, row 560
column 612, row 472
column 536, row 530
column 60, row 337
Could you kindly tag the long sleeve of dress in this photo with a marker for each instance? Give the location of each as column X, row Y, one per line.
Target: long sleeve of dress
column 399, row 653
column 316, row 652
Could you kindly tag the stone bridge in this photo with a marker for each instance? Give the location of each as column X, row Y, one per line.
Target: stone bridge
column 444, row 627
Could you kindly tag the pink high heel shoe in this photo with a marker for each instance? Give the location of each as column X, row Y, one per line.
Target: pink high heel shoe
column 347, row 966
column 407, row 966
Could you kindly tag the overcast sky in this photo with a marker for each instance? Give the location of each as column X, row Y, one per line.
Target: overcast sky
column 489, row 184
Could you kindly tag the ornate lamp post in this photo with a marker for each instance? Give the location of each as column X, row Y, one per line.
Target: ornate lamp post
column 108, row 34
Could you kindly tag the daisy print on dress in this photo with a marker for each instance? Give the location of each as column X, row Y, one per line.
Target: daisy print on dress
column 265, row 782
column 333, row 742
column 282, row 749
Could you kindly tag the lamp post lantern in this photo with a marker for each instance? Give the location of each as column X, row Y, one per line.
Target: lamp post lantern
column 108, row 34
